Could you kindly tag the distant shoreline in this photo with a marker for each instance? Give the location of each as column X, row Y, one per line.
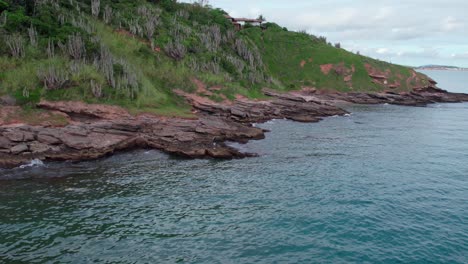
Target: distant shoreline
column 441, row 69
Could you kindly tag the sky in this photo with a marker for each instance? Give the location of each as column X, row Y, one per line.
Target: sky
column 412, row 32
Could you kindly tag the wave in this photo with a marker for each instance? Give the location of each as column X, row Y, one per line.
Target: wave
column 33, row 163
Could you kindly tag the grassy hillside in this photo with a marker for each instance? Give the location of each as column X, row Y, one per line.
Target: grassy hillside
column 135, row 53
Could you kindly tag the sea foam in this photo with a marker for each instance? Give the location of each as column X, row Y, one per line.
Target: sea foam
column 33, row 163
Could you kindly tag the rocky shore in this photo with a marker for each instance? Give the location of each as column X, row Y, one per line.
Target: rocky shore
column 94, row 131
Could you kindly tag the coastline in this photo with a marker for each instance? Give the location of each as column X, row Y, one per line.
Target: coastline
column 95, row 131
column 441, row 69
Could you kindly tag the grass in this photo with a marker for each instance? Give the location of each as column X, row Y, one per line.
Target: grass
column 33, row 116
column 295, row 59
column 290, row 59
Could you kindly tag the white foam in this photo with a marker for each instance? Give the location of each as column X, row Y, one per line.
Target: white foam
column 347, row 114
column 33, row 163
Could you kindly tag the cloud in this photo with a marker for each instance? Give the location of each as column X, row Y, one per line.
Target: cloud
column 382, row 51
column 463, row 56
column 451, row 24
column 404, row 31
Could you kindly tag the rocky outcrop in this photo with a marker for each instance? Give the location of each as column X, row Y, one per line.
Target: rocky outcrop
column 98, row 130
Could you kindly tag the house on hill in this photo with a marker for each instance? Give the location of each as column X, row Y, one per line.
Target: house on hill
column 239, row 23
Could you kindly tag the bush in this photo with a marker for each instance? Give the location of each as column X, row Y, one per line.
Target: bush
column 228, row 66
column 26, row 97
column 15, row 44
column 175, row 50
column 3, row 6
column 16, row 21
column 53, row 78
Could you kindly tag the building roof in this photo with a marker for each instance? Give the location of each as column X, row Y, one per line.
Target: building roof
column 241, row 19
column 250, row 20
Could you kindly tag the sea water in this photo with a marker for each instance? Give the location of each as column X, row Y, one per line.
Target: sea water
column 387, row 184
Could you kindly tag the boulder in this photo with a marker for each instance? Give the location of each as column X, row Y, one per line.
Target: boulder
column 37, row 147
column 19, row 148
column 19, row 136
column 7, row 100
column 47, row 139
column 4, row 143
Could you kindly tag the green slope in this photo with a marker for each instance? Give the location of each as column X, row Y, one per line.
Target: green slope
column 136, row 53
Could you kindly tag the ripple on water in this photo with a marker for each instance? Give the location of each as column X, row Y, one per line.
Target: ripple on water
column 387, row 184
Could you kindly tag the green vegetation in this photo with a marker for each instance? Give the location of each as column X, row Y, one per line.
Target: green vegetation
column 135, row 53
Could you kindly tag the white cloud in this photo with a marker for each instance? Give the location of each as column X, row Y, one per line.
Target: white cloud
column 451, row 24
column 463, row 56
column 409, row 32
column 382, row 50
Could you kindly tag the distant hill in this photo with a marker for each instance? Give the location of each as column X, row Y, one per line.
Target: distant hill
column 136, row 53
column 441, row 67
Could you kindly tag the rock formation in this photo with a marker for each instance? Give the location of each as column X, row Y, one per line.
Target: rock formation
column 98, row 130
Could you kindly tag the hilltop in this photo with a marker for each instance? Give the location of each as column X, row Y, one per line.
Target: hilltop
column 135, row 54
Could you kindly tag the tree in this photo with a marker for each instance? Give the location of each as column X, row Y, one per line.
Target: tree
column 261, row 18
column 338, row 45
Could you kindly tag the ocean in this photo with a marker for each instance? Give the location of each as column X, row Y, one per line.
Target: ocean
column 387, row 184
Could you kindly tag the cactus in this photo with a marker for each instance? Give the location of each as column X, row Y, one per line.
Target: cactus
column 32, row 33
column 16, row 45
column 75, row 47
column 107, row 16
column 53, row 78
column 95, row 7
column 175, row 50
column 96, row 89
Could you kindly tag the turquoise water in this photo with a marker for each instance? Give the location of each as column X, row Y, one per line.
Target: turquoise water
column 387, row 184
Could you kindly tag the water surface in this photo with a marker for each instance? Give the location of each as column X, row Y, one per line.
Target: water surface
column 388, row 184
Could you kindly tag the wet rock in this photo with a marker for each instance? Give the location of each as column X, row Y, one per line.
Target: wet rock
column 19, row 148
column 4, row 143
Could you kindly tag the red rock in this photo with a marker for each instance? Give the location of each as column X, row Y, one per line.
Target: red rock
column 50, row 140
column 326, row 68
column 5, row 143
column 19, row 136
column 37, row 147
column 86, row 110
column 19, row 148
column 107, row 131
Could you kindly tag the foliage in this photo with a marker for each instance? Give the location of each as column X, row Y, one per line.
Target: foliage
column 136, row 53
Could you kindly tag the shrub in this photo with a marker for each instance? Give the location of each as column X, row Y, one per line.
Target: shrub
column 53, row 78
column 16, row 20
column 211, row 38
column 96, row 88
column 32, row 33
column 3, row 6
column 175, row 50
column 107, row 15
column 15, row 44
column 75, row 47
column 95, row 7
